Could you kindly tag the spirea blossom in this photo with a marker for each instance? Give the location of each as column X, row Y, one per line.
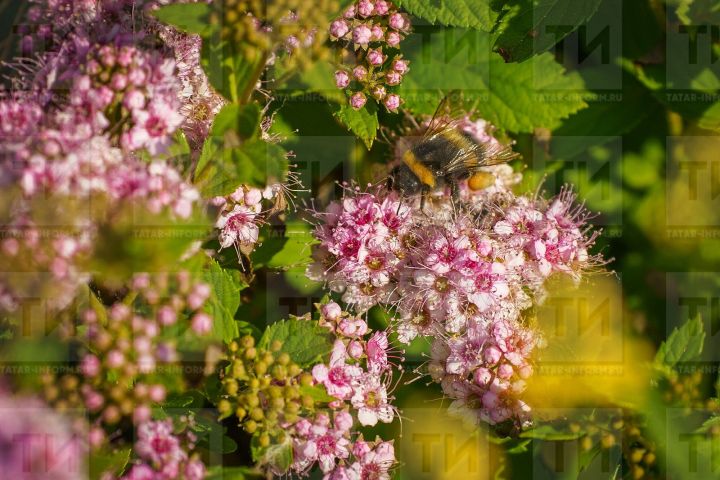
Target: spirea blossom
column 464, row 274
column 370, row 32
column 163, row 454
column 37, row 443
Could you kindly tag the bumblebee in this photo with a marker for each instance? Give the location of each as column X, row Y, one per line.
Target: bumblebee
column 443, row 156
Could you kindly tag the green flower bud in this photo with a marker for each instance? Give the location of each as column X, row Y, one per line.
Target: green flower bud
column 276, row 345
column 305, row 379
column 250, row 426
column 264, row 440
column 224, row 406
column 283, row 358
column 279, row 372
column 257, row 414
column 261, row 368
column 240, row 413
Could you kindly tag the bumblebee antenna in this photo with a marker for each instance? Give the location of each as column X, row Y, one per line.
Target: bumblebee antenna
column 400, row 203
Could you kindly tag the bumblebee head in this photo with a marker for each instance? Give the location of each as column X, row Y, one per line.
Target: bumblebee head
column 403, row 180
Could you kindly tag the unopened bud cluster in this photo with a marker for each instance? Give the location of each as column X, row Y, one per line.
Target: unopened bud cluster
column 371, row 32
column 269, row 28
column 263, row 388
column 125, row 345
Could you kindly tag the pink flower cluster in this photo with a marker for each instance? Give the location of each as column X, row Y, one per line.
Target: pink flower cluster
column 464, row 278
column 372, row 31
column 241, row 215
column 358, row 376
column 100, row 95
column 163, row 455
column 131, row 345
column 36, row 443
column 328, row 443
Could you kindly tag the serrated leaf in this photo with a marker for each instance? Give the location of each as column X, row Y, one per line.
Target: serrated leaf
column 454, row 13
column 363, row 123
column 683, row 345
column 304, row 340
column 188, row 17
column 223, row 302
column 113, row 463
column 538, row 25
column 517, row 97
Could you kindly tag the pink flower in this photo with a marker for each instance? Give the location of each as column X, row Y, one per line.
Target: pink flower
column 362, row 35
column 371, row 401
column 392, row 102
column 358, row 100
column 365, row 8
column 238, row 226
column 342, row 79
column 153, row 127
column 377, row 356
column 382, row 7
column 398, row 21
column 156, row 443
column 393, row 39
column 337, row 377
column 360, row 72
column 339, row 28
column 201, row 323
column 400, row 66
column 375, row 57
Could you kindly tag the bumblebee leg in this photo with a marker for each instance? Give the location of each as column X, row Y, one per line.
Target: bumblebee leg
column 455, row 195
column 423, row 194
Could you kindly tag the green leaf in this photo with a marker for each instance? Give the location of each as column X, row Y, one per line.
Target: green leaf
column 518, row 97
column 221, row 472
column 284, row 252
column 114, row 462
column 363, row 123
column 188, row 17
column 683, row 345
column 244, row 120
column 317, row 393
column 454, row 13
column 304, row 340
column 254, row 163
column 224, row 301
column 231, row 73
column 538, row 25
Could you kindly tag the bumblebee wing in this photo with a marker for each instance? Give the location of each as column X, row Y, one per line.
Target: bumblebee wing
column 475, row 156
column 446, row 114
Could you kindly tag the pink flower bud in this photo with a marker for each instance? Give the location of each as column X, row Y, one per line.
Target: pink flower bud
column 362, row 35
column 382, row 7
column 96, row 437
column 343, row 421
column 167, row 316
column 392, row 102
column 400, row 66
column 358, row 100
column 360, row 72
column 505, row 371
column 115, row 359
column 398, row 21
column 393, row 78
column 482, row 376
column 157, row 393
column 350, row 12
column 94, row 401
column 202, row 323
column 118, row 82
column 339, row 28
column 365, row 8
column 393, row 39
column 355, row 349
column 134, row 100
column 492, row 355
column 331, row 311
column 342, row 79
column 252, row 197
column 376, row 57
column 377, row 33
column 141, row 414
